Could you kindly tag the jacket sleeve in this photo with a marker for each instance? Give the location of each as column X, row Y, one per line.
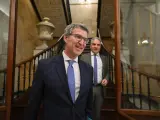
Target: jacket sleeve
column 106, row 76
column 82, row 58
column 36, row 95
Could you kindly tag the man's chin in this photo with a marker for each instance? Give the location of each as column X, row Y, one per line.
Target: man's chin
column 78, row 53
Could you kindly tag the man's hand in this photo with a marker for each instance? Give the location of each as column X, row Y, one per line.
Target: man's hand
column 104, row 82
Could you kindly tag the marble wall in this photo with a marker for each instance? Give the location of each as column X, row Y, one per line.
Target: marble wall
column 3, row 39
column 27, row 37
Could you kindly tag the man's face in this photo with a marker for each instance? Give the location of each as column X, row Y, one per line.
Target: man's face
column 95, row 46
column 74, row 45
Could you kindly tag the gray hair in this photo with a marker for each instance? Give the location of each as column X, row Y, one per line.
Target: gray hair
column 95, row 38
column 68, row 30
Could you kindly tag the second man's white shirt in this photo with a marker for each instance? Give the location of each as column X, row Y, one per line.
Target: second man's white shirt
column 99, row 66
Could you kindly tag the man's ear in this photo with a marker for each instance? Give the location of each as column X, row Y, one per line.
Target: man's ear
column 65, row 38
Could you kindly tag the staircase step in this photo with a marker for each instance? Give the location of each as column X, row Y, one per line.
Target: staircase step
column 109, row 92
column 108, row 114
column 109, row 103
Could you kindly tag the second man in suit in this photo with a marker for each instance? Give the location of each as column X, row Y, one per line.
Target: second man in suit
column 100, row 77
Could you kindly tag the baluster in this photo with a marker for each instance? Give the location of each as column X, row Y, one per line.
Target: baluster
column 127, row 80
column 122, row 82
column 34, row 66
column 111, row 68
column 140, row 91
column 18, row 81
column 149, row 101
column 46, row 54
column 4, row 87
column 24, row 76
column 29, row 75
column 127, row 95
column 133, row 93
column 42, row 56
column 122, row 78
column 39, row 58
column 49, row 53
column 53, row 54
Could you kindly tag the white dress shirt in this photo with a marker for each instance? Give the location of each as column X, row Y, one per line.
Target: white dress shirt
column 76, row 72
column 99, row 66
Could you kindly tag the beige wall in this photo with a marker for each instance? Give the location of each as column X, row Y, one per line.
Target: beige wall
column 86, row 14
column 27, row 38
column 108, row 43
column 4, row 23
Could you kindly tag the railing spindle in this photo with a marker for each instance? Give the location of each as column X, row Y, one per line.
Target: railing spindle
column 140, row 91
column 149, row 101
column 133, row 92
column 24, row 76
column 127, row 82
column 122, row 78
column 18, row 81
column 29, row 75
column 4, row 87
column 34, row 66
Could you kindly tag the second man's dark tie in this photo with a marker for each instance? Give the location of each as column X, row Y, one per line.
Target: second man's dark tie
column 95, row 70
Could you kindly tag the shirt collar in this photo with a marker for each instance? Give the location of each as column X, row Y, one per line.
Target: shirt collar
column 66, row 58
column 92, row 54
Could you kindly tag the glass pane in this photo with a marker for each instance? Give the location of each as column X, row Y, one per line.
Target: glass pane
column 4, row 25
column 140, row 45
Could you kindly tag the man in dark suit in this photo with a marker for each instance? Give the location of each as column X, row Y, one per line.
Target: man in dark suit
column 99, row 63
column 64, row 83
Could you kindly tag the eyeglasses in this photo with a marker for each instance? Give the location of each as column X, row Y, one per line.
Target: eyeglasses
column 79, row 38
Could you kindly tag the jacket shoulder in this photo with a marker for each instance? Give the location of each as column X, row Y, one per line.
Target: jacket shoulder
column 87, row 65
column 49, row 61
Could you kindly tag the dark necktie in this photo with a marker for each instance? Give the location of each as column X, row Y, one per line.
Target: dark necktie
column 95, row 69
column 71, row 79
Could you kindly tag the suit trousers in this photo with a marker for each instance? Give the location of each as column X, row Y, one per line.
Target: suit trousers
column 97, row 102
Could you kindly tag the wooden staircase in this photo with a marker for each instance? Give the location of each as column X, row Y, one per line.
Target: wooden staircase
column 109, row 110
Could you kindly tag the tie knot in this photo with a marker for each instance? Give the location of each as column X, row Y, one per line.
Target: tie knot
column 71, row 62
column 95, row 54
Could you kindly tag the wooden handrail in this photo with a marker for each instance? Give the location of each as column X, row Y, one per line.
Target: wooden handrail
column 2, row 108
column 141, row 112
column 145, row 74
column 33, row 57
column 125, row 115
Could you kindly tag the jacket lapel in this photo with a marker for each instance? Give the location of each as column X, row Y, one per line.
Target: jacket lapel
column 82, row 78
column 62, row 74
column 90, row 62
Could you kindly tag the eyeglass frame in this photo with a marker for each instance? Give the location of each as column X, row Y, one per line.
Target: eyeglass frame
column 86, row 40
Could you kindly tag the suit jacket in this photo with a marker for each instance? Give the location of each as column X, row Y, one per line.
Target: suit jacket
column 105, row 71
column 50, row 86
